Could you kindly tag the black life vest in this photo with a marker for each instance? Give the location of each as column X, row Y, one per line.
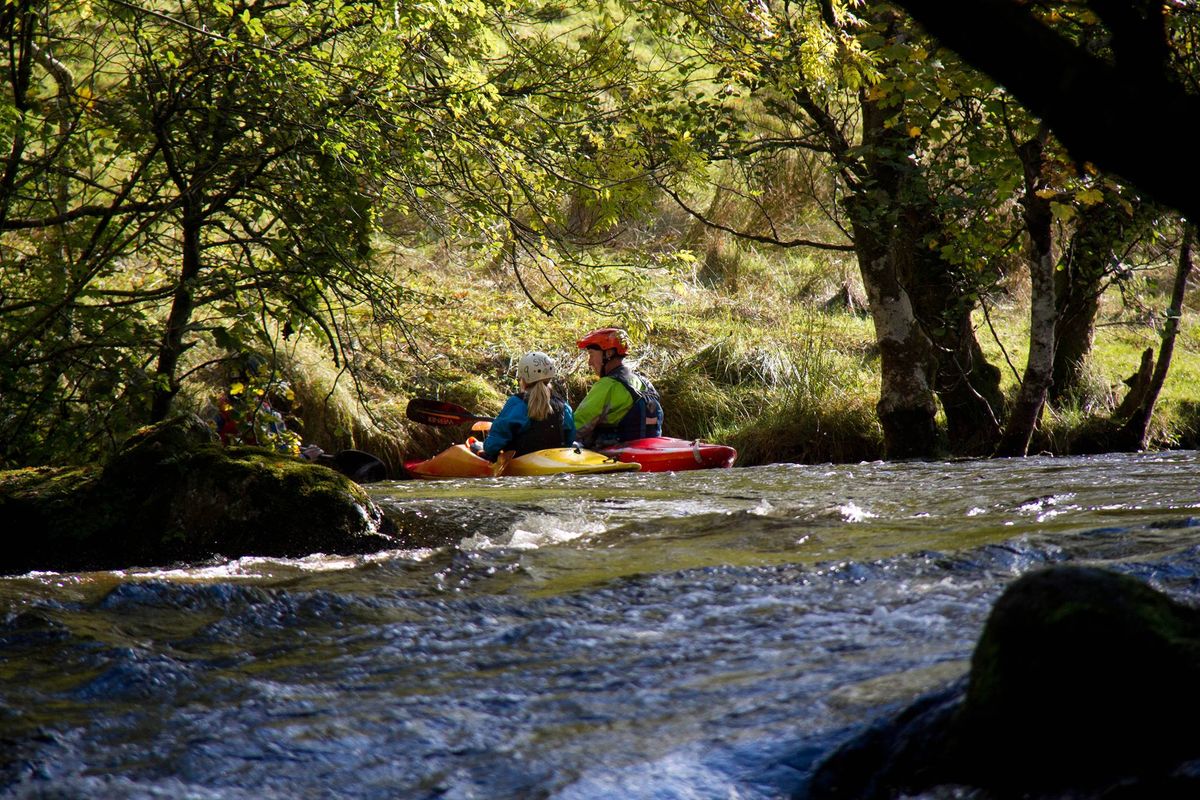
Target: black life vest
column 642, row 420
column 541, row 433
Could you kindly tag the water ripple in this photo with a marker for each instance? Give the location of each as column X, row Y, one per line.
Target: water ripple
column 702, row 635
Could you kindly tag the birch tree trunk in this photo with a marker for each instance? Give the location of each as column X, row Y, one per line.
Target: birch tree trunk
column 1039, row 367
column 906, row 408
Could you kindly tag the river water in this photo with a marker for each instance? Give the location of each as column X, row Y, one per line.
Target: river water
column 692, row 635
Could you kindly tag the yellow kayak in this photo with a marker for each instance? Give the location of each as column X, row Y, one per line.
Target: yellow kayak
column 457, row 461
column 565, row 459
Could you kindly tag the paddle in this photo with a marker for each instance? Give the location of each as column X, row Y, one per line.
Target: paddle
column 437, row 412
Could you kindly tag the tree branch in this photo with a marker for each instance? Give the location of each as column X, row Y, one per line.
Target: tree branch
column 1132, row 121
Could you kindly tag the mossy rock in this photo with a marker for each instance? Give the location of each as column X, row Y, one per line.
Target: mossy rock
column 1082, row 685
column 172, row 494
column 1077, row 677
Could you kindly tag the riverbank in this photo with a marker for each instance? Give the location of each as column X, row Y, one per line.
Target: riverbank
column 174, row 495
column 773, row 357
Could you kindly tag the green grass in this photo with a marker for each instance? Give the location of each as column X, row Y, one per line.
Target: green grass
column 744, row 351
column 765, row 368
column 1124, row 330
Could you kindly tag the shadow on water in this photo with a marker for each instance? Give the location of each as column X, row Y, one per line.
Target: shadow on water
column 698, row 635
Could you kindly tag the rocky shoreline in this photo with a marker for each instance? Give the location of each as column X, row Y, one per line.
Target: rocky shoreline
column 173, row 494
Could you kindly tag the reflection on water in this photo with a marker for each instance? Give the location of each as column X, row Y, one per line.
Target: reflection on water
column 699, row 635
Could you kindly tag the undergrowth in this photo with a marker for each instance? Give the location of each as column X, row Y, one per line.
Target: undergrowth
column 751, row 347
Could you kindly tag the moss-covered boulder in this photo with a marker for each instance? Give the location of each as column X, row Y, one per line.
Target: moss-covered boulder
column 173, row 494
column 1083, row 684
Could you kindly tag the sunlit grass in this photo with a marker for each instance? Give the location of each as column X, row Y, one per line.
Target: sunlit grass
column 748, row 351
column 757, row 360
column 1127, row 325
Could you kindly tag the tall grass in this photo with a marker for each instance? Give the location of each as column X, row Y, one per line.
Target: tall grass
column 742, row 348
column 807, row 398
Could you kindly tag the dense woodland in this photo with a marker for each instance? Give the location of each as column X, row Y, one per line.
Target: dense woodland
column 188, row 181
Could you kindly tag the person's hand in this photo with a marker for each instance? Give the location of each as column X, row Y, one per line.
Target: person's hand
column 476, row 446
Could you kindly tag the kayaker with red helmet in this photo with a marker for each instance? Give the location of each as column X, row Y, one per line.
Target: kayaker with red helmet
column 622, row 405
column 534, row 418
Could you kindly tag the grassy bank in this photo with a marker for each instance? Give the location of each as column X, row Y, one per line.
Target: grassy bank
column 756, row 351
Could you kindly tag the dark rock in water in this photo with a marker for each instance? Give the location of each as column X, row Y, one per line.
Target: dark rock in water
column 174, row 494
column 1083, row 684
column 1106, row 666
column 356, row 465
column 895, row 754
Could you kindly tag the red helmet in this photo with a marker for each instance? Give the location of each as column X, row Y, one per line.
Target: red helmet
column 606, row 339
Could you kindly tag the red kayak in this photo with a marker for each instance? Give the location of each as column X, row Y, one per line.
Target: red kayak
column 665, row 454
column 654, row 454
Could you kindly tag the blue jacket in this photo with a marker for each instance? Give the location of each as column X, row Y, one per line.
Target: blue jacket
column 513, row 420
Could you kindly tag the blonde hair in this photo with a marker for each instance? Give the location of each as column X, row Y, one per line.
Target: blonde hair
column 537, row 397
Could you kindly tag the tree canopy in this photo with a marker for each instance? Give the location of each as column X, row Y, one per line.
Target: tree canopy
column 217, row 173
column 186, row 184
column 1116, row 82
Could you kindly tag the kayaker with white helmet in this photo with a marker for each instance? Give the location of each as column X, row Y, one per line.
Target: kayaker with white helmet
column 534, row 418
column 622, row 405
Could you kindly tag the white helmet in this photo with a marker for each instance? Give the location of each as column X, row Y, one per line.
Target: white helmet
column 535, row 366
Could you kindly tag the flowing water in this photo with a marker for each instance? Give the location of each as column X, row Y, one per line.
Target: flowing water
column 693, row 635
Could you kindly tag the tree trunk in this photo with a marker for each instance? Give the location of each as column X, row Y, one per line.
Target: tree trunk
column 924, row 325
column 1035, row 384
column 906, row 405
column 1078, row 284
column 1074, row 332
column 1138, row 383
column 967, row 385
column 1134, row 432
column 18, row 21
column 182, row 304
column 906, row 408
